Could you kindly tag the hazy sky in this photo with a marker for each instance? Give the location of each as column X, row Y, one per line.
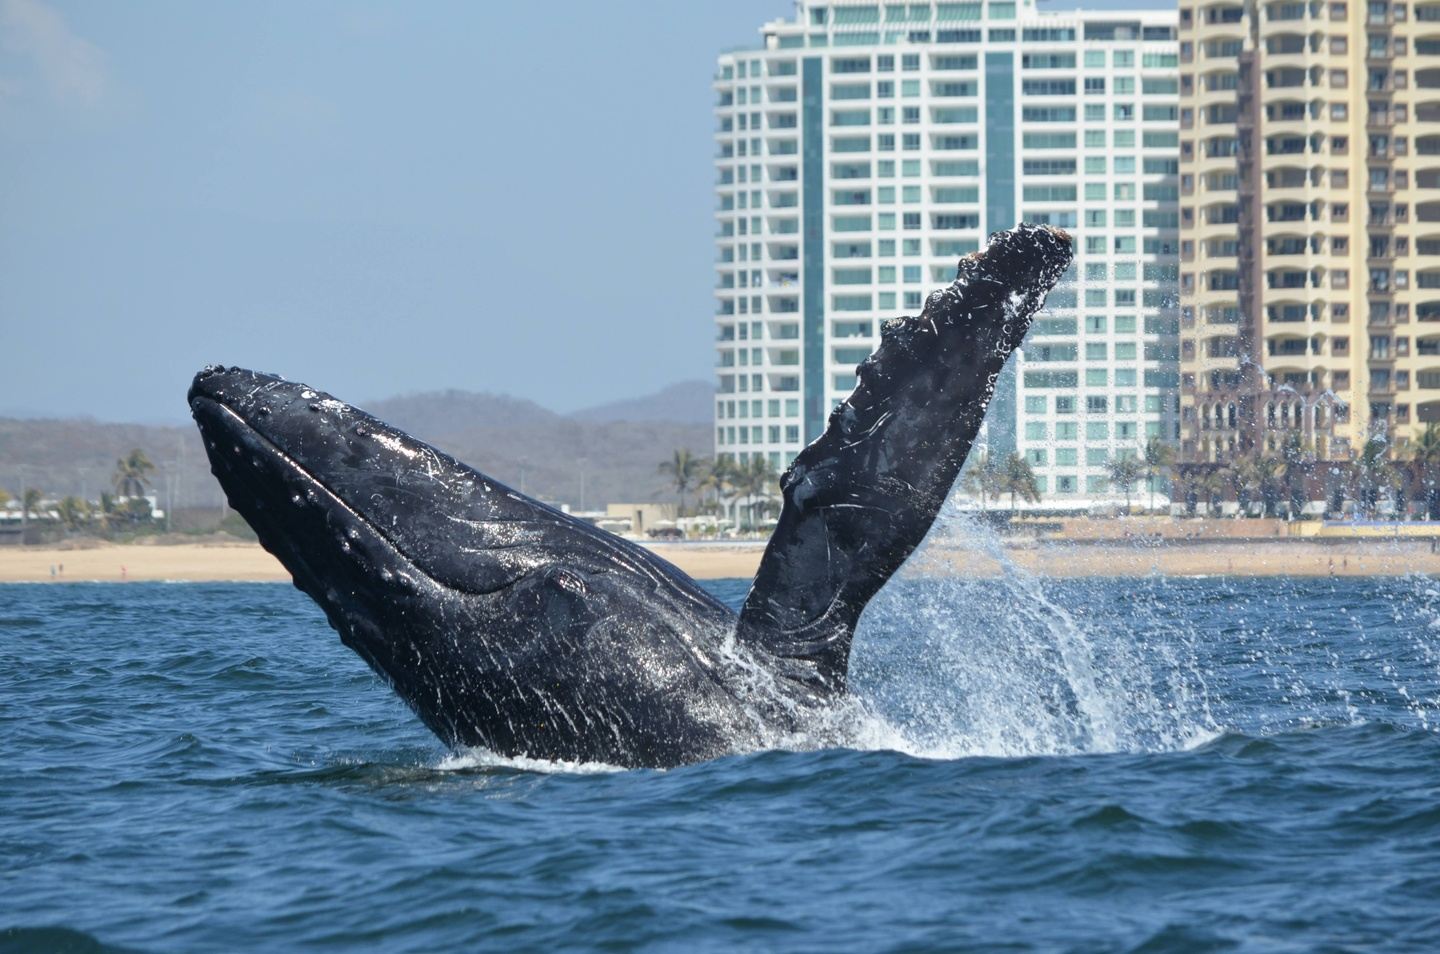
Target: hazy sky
column 371, row 197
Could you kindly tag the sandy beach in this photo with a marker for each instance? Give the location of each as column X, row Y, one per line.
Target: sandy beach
column 248, row 562
column 195, row 562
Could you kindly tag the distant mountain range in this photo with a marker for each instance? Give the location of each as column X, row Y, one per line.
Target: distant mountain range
column 608, row 453
column 689, row 402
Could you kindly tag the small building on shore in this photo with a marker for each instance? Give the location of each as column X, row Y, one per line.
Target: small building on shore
column 641, row 518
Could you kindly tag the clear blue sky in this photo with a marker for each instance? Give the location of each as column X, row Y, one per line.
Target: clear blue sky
column 371, row 197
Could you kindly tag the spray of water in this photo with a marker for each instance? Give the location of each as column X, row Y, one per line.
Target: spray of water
column 472, row 758
column 946, row 667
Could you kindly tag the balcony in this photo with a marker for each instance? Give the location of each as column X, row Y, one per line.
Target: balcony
column 1285, row 147
column 1288, row 246
column 1282, row 314
column 1285, row 213
column 1222, row 148
column 1287, row 280
column 1287, row 347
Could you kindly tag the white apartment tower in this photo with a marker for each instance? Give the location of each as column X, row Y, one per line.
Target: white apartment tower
column 864, row 147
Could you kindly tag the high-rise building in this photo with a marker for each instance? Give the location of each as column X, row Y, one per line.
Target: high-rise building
column 863, row 148
column 1310, row 222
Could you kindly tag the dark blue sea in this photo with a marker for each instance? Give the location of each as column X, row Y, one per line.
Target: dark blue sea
column 1104, row 765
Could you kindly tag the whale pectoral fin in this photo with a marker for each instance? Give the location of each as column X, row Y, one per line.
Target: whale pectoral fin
column 861, row 497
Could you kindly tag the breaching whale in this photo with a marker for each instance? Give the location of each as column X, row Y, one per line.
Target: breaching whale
column 509, row 625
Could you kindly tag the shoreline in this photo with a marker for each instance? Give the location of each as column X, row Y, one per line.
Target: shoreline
column 216, row 562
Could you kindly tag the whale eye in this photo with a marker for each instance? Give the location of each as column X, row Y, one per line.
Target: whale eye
column 569, row 581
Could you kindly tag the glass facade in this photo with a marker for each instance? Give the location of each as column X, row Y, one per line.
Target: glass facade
column 858, row 159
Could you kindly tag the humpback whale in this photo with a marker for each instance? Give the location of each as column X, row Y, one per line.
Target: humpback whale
column 509, row 625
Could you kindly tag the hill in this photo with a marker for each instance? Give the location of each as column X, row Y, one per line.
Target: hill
column 596, row 456
column 690, row 402
column 548, row 455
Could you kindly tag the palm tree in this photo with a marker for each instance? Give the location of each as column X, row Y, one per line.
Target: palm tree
column 1188, row 484
column 1243, row 481
column 132, row 474
column 1335, row 492
column 1400, row 492
column 1123, row 471
column 73, row 512
column 138, row 510
column 1017, row 479
column 1266, row 471
column 1159, row 458
column 985, row 478
column 1373, row 472
column 769, row 480
column 755, row 479
column 1299, row 458
column 30, row 503
column 1425, row 464
column 1212, row 487
column 716, row 480
column 684, row 469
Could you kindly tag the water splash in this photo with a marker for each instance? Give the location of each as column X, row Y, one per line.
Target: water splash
column 948, row 667
column 472, row 758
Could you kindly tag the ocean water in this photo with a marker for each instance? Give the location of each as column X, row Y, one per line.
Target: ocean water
column 1101, row 765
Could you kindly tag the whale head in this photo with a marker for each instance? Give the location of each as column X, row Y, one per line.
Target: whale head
column 502, row 622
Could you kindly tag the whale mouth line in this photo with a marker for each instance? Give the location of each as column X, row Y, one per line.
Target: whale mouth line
column 232, row 419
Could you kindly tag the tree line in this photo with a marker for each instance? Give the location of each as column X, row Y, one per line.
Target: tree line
column 752, row 484
column 126, row 508
column 1284, row 481
column 749, row 486
column 993, row 477
column 1268, row 483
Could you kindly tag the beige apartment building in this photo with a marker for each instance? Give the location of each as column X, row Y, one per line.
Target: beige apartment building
column 1309, row 224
